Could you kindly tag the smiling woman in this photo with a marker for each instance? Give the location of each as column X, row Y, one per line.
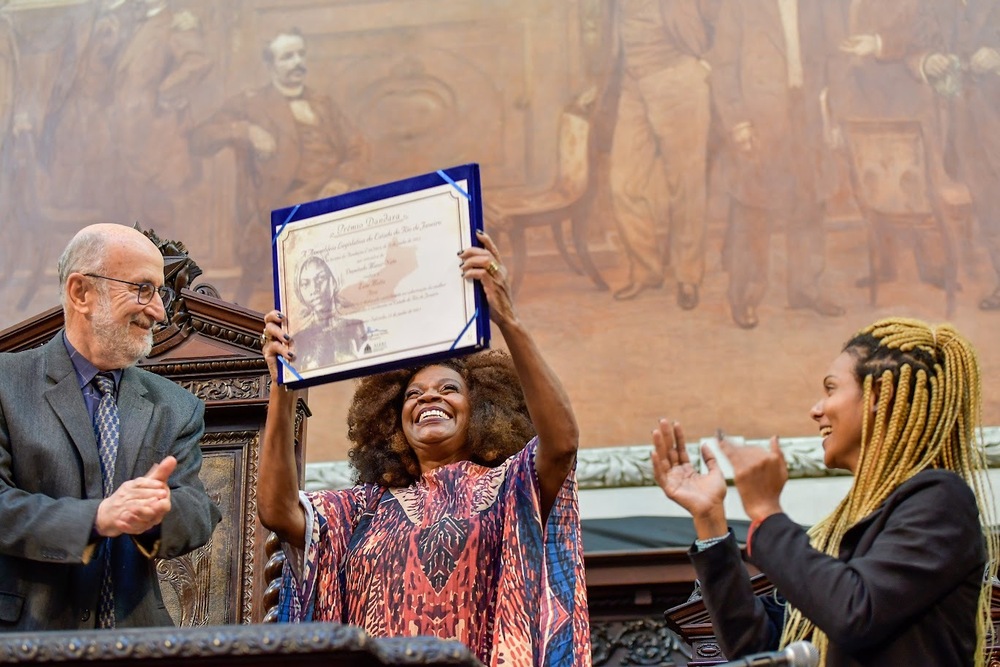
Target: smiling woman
column 901, row 571
column 456, row 528
column 840, row 414
column 458, row 409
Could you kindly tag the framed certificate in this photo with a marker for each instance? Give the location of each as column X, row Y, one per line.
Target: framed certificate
column 370, row 281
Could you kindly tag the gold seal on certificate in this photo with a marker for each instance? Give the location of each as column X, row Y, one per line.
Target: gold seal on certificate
column 369, row 280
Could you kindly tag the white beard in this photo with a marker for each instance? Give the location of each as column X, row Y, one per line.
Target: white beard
column 120, row 341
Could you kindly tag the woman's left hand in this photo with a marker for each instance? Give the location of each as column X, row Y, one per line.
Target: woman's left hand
column 484, row 264
column 760, row 475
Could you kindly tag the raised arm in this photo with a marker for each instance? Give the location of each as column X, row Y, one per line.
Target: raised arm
column 278, row 481
column 548, row 404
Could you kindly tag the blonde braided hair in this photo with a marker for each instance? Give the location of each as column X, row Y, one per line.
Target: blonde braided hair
column 929, row 420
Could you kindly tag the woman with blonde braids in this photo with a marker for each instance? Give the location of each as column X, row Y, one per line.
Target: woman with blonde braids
column 898, row 573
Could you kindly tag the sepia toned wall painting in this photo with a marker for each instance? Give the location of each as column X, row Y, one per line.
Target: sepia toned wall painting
column 699, row 200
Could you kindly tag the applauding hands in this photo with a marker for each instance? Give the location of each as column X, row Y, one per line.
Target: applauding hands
column 759, row 475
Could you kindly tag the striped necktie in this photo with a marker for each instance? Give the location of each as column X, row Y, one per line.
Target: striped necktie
column 106, row 429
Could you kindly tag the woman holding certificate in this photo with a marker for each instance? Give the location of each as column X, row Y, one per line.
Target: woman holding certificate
column 464, row 521
column 900, row 573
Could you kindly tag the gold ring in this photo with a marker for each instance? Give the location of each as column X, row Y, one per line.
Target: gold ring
column 492, row 268
column 264, row 339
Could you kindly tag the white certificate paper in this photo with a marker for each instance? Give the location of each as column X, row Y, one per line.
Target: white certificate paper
column 376, row 284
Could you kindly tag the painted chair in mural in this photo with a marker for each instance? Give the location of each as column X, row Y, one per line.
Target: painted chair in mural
column 899, row 196
column 567, row 200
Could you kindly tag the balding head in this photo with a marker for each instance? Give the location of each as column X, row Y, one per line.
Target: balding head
column 88, row 251
column 99, row 274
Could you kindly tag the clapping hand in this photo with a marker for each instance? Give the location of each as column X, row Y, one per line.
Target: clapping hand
column 759, row 474
column 137, row 505
column 700, row 494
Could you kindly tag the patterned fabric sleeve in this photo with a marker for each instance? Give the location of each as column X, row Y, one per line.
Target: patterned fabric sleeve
column 568, row 615
column 329, row 522
column 542, row 618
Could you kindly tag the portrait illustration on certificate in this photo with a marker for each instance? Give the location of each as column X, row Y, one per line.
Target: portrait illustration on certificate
column 326, row 336
column 369, row 281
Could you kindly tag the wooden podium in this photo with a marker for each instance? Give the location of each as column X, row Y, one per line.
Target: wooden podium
column 211, row 348
column 319, row 644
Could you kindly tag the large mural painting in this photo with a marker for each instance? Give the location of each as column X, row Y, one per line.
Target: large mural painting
column 699, row 200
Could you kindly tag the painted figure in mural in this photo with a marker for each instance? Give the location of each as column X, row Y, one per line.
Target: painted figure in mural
column 78, row 129
column 768, row 73
column 99, row 460
column 456, row 528
column 292, row 145
column 900, row 573
column 325, row 336
column 876, row 75
column 659, row 151
column 971, row 58
column 154, row 77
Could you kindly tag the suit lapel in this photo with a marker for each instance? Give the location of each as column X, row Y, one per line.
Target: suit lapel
column 66, row 400
column 135, row 413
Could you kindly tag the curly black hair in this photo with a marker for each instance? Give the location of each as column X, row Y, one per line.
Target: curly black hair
column 499, row 425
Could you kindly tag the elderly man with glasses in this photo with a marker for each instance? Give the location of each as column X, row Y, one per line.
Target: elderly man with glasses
column 99, row 460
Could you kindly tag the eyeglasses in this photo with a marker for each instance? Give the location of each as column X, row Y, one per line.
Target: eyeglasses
column 144, row 293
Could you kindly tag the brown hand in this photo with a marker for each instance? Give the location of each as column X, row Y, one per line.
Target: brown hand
column 484, row 264
column 275, row 342
column 701, row 495
column 760, row 475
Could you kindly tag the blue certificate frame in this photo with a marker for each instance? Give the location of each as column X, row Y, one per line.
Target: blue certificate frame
column 369, row 281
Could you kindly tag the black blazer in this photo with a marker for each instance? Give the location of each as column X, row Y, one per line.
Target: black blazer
column 904, row 589
column 50, row 487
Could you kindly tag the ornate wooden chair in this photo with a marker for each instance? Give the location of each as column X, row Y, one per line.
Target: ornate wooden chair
column 567, row 199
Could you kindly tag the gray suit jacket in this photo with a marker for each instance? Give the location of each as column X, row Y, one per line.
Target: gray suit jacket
column 50, row 488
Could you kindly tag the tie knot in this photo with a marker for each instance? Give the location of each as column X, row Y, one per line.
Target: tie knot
column 105, row 383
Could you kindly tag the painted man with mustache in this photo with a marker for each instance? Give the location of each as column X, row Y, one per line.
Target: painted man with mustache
column 83, row 522
column 292, row 145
